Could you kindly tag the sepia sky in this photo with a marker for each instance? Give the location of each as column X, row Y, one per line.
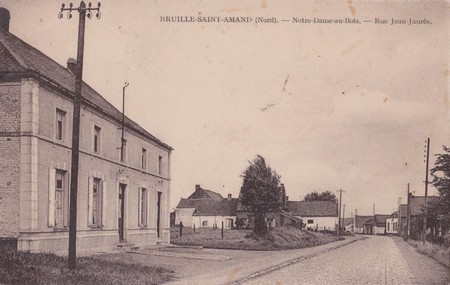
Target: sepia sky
column 329, row 106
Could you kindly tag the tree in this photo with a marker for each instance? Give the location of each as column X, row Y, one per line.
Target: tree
column 441, row 181
column 261, row 192
column 324, row 196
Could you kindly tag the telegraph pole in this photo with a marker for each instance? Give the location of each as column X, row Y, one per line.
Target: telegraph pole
column 340, row 208
column 407, row 213
column 426, row 189
column 122, row 141
column 83, row 11
column 343, row 216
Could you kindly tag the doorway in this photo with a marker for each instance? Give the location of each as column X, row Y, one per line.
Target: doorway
column 121, row 221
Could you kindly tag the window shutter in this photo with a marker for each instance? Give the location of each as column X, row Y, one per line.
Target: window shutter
column 139, row 206
column 90, row 199
column 51, row 197
column 103, row 202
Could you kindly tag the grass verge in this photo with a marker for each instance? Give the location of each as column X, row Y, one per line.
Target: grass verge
column 439, row 253
column 42, row 268
column 278, row 238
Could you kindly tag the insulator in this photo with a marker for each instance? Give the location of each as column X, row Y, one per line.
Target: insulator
column 63, row 5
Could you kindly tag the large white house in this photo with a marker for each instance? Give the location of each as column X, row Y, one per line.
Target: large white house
column 123, row 197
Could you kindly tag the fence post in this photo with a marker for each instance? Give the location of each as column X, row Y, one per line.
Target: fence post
column 181, row 229
column 222, row 229
column 194, row 228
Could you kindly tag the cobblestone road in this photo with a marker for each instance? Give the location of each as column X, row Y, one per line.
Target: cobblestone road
column 376, row 260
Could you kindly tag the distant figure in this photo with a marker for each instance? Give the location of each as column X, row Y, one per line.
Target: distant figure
column 181, row 224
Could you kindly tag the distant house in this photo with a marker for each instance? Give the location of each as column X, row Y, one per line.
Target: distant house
column 359, row 224
column 416, row 212
column 206, row 208
column 318, row 215
column 392, row 224
column 348, row 224
column 371, row 225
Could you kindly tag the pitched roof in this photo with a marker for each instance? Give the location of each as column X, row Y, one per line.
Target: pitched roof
column 347, row 221
column 380, row 219
column 16, row 56
column 201, row 193
column 313, row 208
column 210, row 207
column 417, row 203
column 370, row 221
column 360, row 220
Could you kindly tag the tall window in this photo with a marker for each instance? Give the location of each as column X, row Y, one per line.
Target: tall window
column 123, row 150
column 60, row 191
column 97, row 138
column 60, row 124
column 97, row 194
column 160, row 165
column 144, row 158
column 143, row 207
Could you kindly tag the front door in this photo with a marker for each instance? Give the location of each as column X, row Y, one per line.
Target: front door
column 121, row 211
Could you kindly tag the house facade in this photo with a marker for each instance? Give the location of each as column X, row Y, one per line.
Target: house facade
column 316, row 215
column 206, row 208
column 122, row 197
column 392, row 224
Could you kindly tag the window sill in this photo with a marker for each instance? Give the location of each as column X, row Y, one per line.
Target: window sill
column 64, row 229
column 94, row 227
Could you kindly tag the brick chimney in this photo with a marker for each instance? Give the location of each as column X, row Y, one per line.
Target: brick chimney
column 72, row 65
column 4, row 19
column 197, row 187
column 229, row 197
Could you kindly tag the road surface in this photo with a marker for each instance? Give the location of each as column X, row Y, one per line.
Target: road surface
column 375, row 260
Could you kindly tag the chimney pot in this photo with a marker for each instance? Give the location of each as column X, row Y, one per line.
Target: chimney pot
column 197, row 187
column 72, row 65
column 4, row 19
column 229, row 197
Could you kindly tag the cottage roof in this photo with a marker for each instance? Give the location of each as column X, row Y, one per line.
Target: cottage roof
column 360, row 220
column 370, row 221
column 347, row 221
column 417, row 203
column 380, row 219
column 210, row 207
column 201, row 193
column 19, row 58
column 313, row 208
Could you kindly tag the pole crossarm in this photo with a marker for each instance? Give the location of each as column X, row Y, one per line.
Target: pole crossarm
column 82, row 8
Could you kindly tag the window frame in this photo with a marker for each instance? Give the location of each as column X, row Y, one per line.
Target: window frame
column 97, row 203
column 144, row 154
column 61, row 197
column 143, row 207
column 97, row 139
column 60, row 124
column 160, row 162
